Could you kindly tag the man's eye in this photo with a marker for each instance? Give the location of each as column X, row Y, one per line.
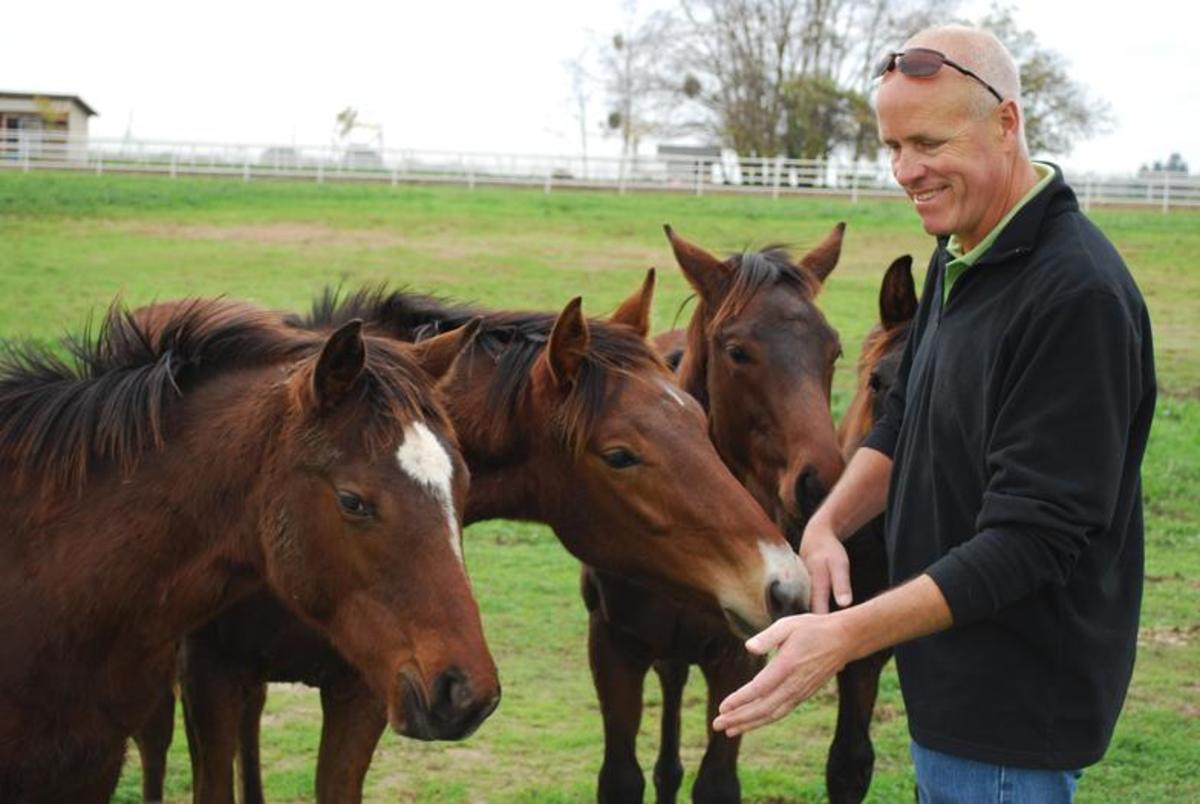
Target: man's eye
column 620, row 458
column 874, row 382
column 353, row 505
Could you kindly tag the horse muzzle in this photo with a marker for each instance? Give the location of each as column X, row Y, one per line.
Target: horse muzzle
column 453, row 710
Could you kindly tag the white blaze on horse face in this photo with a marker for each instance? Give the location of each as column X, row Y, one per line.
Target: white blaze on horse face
column 425, row 460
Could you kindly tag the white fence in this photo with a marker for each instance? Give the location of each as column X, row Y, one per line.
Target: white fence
column 22, row 150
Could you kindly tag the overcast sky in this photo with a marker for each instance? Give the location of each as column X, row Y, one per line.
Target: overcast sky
column 488, row 76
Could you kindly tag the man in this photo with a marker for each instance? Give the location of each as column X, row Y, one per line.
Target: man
column 1008, row 457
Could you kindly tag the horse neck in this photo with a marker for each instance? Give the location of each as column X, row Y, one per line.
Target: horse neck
column 178, row 537
column 502, row 490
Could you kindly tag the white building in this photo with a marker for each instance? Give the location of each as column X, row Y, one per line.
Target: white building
column 43, row 125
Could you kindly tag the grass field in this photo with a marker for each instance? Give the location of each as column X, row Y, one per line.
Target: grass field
column 70, row 243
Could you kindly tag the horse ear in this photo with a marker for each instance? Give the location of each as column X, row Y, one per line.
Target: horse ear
column 823, row 259
column 436, row 355
column 635, row 311
column 340, row 365
column 568, row 343
column 897, row 294
column 708, row 275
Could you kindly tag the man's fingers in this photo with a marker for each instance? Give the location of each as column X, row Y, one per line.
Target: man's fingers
column 769, row 638
column 762, row 685
column 818, row 579
column 840, row 570
column 756, row 712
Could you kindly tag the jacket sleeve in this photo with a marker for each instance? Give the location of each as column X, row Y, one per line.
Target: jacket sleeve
column 886, row 431
column 1055, row 457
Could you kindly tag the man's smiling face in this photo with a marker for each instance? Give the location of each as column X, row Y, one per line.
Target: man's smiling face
column 949, row 159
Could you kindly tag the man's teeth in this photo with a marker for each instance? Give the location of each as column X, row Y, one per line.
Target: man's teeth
column 925, row 195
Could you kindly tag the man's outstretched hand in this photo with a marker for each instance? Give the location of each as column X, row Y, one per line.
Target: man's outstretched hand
column 812, row 647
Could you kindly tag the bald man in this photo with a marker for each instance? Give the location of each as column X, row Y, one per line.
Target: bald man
column 1008, row 458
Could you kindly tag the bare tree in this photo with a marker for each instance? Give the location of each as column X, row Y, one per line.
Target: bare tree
column 760, row 72
column 632, row 67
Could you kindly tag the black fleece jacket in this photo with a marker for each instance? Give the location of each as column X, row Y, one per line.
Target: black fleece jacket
column 1017, row 428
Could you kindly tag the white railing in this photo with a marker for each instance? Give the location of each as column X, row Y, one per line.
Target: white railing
column 29, row 150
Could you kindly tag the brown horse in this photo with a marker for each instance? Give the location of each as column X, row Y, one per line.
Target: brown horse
column 168, row 473
column 759, row 355
column 565, row 421
column 851, row 756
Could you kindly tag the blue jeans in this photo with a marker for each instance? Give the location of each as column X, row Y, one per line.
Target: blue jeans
column 946, row 779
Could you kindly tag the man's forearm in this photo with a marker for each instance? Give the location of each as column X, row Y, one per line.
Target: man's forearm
column 910, row 611
column 860, row 494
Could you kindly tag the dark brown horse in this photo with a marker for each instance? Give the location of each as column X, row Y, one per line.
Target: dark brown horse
column 759, row 356
column 166, row 474
column 566, row 421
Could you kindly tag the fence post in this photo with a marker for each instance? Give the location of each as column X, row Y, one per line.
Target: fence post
column 99, row 164
column 1166, row 202
column 775, row 182
column 246, row 168
column 394, row 177
column 698, row 167
column 320, row 173
column 621, row 176
column 549, row 179
column 854, row 184
column 174, row 168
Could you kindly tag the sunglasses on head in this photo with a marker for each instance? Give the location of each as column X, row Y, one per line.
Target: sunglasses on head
column 921, row 62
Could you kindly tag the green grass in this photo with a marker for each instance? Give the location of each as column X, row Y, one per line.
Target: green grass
column 73, row 242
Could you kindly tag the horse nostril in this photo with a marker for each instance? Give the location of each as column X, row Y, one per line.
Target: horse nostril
column 452, row 695
column 809, row 492
column 782, row 600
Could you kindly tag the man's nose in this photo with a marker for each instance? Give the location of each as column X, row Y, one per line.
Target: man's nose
column 907, row 167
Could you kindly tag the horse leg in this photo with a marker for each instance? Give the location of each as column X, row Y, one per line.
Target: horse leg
column 717, row 780
column 851, row 756
column 668, row 770
column 153, row 742
column 619, row 667
column 249, row 762
column 354, row 719
column 212, row 705
column 96, row 786
column 851, row 761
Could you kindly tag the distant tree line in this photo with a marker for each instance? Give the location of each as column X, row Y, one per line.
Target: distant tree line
column 793, row 77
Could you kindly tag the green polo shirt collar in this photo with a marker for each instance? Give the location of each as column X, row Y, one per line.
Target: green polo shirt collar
column 961, row 262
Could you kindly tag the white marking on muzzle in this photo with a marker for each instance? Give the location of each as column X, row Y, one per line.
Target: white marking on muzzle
column 425, row 460
column 782, row 565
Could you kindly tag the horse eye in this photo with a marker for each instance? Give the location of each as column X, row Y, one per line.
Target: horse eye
column 874, row 382
column 737, row 354
column 620, row 458
column 353, row 505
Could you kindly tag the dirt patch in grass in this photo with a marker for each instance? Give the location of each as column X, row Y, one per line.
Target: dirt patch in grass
column 1172, row 635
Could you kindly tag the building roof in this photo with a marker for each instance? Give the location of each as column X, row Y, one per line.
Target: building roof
column 78, row 101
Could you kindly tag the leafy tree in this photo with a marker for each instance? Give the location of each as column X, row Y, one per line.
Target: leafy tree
column 1059, row 111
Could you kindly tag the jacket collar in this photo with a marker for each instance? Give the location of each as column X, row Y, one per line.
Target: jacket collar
column 1021, row 233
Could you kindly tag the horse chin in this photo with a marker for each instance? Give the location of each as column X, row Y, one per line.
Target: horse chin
column 739, row 625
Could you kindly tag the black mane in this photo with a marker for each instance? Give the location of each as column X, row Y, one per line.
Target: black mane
column 107, row 399
column 512, row 340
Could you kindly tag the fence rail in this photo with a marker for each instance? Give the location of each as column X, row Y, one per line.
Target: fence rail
column 32, row 150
